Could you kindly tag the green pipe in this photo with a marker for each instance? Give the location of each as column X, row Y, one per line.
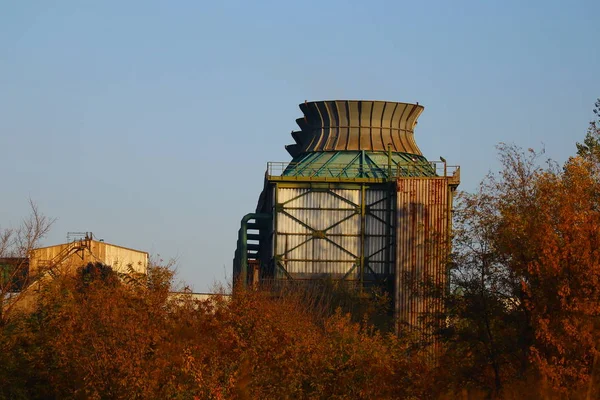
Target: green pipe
column 245, row 225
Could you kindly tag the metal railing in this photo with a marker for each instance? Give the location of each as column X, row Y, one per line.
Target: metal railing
column 332, row 170
column 49, row 265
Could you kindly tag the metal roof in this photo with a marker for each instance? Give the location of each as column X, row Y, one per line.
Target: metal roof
column 355, row 125
column 357, row 164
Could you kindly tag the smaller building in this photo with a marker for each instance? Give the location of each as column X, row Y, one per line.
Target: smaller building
column 67, row 257
column 45, row 263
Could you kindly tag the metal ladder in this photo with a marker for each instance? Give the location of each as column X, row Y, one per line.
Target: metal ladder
column 73, row 247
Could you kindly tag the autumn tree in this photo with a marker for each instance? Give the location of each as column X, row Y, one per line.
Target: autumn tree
column 552, row 243
column 92, row 336
column 15, row 246
column 591, row 143
column 525, row 294
column 485, row 331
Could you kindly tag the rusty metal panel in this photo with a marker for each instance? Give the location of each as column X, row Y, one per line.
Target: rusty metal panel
column 422, row 243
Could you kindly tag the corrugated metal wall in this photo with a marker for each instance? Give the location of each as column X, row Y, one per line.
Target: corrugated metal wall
column 422, row 234
column 334, row 232
column 318, row 232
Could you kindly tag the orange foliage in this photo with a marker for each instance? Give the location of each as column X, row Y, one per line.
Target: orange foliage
column 525, row 302
column 107, row 340
column 552, row 239
column 521, row 318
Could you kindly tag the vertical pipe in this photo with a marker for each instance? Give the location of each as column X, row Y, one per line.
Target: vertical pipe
column 449, row 207
column 244, row 249
column 275, row 212
column 362, row 234
column 244, row 244
column 389, row 241
column 389, row 154
column 362, row 164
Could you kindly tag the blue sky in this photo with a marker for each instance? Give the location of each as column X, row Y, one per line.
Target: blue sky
column 150, row 123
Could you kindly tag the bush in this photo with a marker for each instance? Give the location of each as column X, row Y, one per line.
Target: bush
column 94, row 337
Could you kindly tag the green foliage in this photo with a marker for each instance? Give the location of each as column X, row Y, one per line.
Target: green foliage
column 96, row 272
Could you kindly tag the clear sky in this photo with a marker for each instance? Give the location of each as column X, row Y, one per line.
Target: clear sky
column 150, row 122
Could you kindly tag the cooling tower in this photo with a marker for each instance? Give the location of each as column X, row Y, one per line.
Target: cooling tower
column 358, row 202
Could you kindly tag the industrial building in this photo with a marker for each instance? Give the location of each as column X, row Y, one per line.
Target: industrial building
column 66, row 257
column 46, row 263
column 358, row 202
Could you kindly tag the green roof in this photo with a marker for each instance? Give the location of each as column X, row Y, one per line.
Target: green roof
column 358, row 164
